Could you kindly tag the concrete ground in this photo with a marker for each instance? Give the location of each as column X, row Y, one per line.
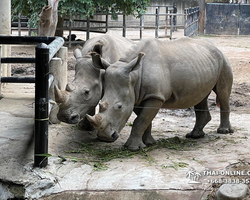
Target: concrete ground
column 132, row 178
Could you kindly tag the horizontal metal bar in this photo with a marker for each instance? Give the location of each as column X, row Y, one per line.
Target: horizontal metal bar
column 167, row 14
column 192, row 23
column 51, row 79
column 84, row 20
column 18, row 60
column 18, row 79
column 25, row 40
column 54, row 46
column 152, row 6
column 193, row 33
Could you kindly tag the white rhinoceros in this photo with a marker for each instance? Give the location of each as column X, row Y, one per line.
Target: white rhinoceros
column 172, row 74
column 83, row 94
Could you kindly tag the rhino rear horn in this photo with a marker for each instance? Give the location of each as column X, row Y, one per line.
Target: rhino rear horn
column 70, row 87
column 103, row 106
column 94, row 121
column 59, row 95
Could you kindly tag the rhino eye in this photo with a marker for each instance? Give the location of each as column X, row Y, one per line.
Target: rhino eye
column 119, row 106
column 86, row 92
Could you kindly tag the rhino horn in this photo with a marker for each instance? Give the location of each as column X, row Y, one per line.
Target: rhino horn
column 95, row 121
column 70, row 87
column 59, row 95
column 133, row 64
column 103, row 106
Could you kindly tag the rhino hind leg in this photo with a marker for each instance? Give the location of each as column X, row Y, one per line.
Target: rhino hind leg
column 202, row 118
column 223, row 97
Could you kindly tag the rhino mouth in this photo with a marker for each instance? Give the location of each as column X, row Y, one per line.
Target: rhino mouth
column 113, row 137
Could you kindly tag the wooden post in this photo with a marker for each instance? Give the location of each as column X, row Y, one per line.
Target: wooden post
column 141, row 25
column 70, row 26
column 156, row 22
column 174, row 17
column 124, row 26
column 106, row 24
column 88, row 29
column 202, row 17
column 19, row 24
column 185, row 21
column 166, row 22
column 171, row 29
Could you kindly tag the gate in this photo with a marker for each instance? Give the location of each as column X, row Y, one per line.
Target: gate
column 228, row 19
column 191, row 21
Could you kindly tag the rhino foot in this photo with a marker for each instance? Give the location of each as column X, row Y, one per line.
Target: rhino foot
column 134, row 145
column 195, row 134
column 225, row 130
column 149, row 140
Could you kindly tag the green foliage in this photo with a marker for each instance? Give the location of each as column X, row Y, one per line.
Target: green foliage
column 100, row 156
column 32, row 8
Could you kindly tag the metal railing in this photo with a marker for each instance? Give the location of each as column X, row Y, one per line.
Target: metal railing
column 44, row 52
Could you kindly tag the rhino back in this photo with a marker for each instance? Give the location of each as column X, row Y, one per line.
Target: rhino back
column 113, row 46
column 180, row 73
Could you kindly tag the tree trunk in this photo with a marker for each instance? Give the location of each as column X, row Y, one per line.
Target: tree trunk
column 59, row 25
column 48, row 19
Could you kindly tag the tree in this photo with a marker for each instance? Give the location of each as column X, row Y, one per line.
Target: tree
column 32, row 8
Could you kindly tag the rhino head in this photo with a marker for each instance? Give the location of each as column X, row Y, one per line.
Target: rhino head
column 118, row 101
column 83, row 94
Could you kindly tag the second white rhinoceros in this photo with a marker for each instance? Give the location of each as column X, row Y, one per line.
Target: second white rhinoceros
column 83, row 94
column 169, row 74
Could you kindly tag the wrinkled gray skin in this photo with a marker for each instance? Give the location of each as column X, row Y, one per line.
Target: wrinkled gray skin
column 169, row 74
column 83, row 94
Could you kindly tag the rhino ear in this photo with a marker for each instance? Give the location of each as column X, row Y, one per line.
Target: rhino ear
column 99, row 62
column 98, row 48
column 78, row 53
column 134, row 64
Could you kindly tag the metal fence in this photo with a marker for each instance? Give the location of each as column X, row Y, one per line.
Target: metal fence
column 157, row 17
column 45, row 51
column 191, row 22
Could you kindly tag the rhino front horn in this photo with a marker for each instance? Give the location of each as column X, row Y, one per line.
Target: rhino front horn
column 59, row 95
column 93, row 121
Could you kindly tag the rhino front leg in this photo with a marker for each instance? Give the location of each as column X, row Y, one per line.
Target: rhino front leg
column 147, row 137
column 142, row 124
column 202, row 118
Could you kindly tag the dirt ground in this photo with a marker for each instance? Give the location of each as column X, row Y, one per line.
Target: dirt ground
column 213, row 152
